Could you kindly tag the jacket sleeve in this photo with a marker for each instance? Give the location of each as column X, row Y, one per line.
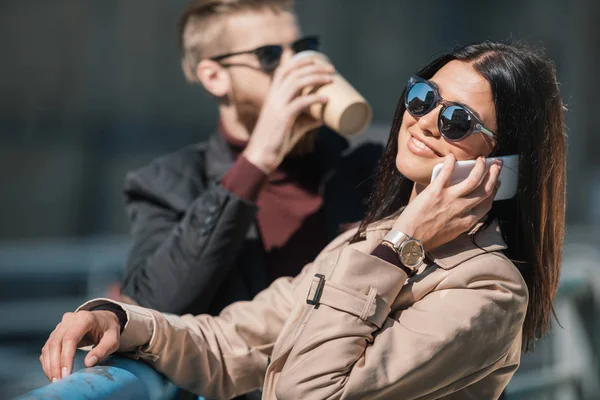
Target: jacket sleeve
column 216, row 357
column 350, row 348
column 180, row 256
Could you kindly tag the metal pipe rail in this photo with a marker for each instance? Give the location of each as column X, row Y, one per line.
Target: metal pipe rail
column 116, row 378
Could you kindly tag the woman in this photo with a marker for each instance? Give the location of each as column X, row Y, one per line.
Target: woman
column 371, row 317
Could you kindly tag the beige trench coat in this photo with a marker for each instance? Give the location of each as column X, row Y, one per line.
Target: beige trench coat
column 452, row 330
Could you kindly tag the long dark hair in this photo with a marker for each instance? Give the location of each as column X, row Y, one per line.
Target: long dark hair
column 530, row 120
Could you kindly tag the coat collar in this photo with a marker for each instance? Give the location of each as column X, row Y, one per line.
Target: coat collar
column 218, row 158
column 468, row 245
column 329, row 149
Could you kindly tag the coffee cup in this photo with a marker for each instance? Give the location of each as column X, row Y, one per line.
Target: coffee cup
column 346, row 111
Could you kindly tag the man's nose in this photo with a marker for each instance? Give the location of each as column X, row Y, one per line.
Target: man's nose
column 287, row 54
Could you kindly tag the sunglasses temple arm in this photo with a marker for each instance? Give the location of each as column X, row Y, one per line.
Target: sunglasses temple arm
column 223, row 56
column 488, row 132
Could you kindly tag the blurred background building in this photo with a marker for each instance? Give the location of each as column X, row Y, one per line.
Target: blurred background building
column 91, row 89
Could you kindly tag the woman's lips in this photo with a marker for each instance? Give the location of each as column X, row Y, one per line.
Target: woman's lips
column 420, row 149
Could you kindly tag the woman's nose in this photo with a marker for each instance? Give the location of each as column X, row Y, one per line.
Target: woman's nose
column 428, row 122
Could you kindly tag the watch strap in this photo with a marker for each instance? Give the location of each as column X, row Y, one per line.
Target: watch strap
column 396, row 238
column 387, row 253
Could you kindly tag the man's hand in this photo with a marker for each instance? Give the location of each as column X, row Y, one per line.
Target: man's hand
column 83, row 328
column 282, row 123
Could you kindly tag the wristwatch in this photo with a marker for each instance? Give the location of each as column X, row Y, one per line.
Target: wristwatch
column 409, row 250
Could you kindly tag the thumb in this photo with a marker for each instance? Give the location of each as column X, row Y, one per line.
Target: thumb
column 308, row 123
column 109, row 343
column 304, row 124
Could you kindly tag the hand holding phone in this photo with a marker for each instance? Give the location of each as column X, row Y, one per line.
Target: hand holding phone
column 441, row 211
column 508, row 176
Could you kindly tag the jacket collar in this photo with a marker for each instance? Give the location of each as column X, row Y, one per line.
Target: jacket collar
column 466, row 246
column 218, row 158
column 329, row 149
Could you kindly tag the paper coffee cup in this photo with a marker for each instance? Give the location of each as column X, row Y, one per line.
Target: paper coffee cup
column 346, row 111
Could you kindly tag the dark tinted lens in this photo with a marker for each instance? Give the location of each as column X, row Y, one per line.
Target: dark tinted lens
column 455, row 122
column 307, row 43
column 269, row 57
column 420, row 99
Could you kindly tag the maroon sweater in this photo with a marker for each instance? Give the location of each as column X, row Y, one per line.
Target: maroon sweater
column 290, row 219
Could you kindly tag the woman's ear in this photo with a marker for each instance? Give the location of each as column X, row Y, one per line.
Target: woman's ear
column 214, row 78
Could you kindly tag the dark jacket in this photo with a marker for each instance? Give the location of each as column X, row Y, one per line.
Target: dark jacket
column 196, row 248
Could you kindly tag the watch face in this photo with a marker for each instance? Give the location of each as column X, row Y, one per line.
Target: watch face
column 411, row 253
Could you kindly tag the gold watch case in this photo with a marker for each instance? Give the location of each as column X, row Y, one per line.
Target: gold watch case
column 411, row 253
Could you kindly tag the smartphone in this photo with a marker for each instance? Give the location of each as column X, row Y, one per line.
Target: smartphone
column 508, row 175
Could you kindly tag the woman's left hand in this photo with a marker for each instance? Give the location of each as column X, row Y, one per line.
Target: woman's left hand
column 441, row 212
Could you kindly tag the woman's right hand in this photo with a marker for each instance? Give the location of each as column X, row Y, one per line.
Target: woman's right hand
column 83, row 328
column 441, row 212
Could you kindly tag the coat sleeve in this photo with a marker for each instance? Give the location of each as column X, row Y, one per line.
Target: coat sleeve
column 454, row 336
column 216, row 357
column 179, row 257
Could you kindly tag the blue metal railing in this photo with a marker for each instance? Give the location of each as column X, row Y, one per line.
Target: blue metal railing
column 116, row 378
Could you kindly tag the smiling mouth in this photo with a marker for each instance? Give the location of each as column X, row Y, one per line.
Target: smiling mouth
column 421, row 149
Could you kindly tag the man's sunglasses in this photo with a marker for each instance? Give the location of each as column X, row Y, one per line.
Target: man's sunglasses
column 455, row 120
column 269, row 56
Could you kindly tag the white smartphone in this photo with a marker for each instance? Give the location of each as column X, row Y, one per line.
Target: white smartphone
column 508, row 176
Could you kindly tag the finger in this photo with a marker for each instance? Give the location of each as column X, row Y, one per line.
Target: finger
column 308, row 69
column 311, row 69
column 294, row 64
column 66, row 320
column 443, row 178
column 42, row 363
column 470, row 220
column 297, row 79
column 480, row 210
column 494, row 173
column 45, row 360
column 485, row 206
column 307, row 123
column 304, row 124
column 54, row 349
column 109, row 343
column 69, row 348
column 472, row 181
column 487, row 186
column 293, row 87
column 287, row 67
column 300, row 103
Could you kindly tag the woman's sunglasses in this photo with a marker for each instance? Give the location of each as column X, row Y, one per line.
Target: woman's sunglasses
column 269, row 56
column 455, row 121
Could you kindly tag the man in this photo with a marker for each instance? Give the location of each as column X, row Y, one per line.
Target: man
column 216, row 222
